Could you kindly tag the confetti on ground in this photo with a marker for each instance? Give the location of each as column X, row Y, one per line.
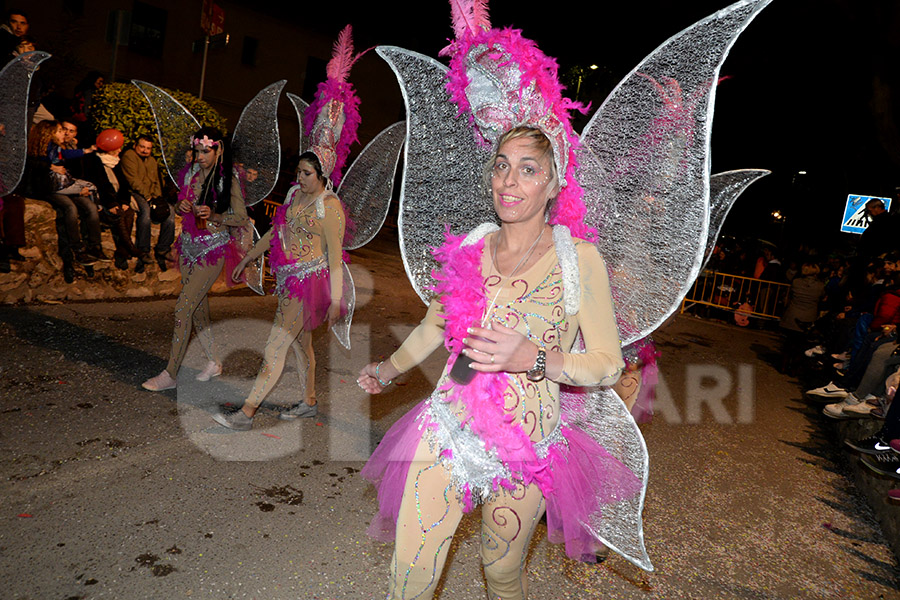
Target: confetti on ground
column 277, row 437
column 26, row 515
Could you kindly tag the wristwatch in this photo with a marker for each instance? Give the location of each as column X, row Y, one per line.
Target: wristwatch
column 536, row 373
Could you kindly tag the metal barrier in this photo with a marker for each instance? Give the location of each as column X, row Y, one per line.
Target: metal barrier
column 270, row 207
column 766, row 299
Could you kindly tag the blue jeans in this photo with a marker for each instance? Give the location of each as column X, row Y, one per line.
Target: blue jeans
column 166, row 228
column 68, row 230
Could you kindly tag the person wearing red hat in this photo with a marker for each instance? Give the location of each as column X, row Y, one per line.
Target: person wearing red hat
column 116, row 205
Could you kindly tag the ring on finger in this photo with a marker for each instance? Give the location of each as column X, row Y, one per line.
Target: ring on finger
column 492, row 359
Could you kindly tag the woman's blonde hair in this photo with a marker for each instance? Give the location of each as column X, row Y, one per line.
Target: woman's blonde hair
column 809, row 269
column 40, row 137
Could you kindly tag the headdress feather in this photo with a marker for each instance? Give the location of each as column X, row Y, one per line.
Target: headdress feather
column 469, row 16
column 342, row 58
column 332, row 120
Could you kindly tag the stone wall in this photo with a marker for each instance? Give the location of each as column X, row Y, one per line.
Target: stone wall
column 873, row 486
column 40, row 278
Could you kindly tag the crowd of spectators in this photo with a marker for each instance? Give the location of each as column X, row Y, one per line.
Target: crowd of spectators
column 90, row 178
column 841, row 321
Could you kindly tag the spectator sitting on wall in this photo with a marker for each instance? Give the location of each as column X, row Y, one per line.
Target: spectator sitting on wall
column 103, row 168
column 142, row 173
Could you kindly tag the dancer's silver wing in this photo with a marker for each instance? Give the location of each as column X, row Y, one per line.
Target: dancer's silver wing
column 300, row 107
column 15, row 82
column 601, row 414
column 368, row 185
column 443, row 173
column 724, row 189
column 341, row 327
column 645, row 169
column 256, row 144
column 174, row 125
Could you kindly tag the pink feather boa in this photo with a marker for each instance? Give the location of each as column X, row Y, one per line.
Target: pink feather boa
column 461, row 291
column 542, row 70
column 230, row 251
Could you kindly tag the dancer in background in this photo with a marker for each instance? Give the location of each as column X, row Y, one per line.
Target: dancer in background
column 306, row 242
column 210, row 202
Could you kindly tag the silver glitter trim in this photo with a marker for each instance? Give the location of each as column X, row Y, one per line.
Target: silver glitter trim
column 568, row 262
column 477, row 234
column 471, row 463
column 192, row 251
column 300, row 270
column 542, row 448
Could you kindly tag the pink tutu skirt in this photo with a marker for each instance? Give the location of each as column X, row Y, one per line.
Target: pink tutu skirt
column 311, row 286
column 586, row 481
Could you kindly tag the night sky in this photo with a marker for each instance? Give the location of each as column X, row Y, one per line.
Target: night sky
column 813, row 87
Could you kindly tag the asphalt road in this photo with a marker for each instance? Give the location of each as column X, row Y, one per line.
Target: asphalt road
column 109, row 491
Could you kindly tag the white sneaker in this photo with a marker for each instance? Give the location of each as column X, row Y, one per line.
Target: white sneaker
column 863, row 408
column 161, row 382
column 213, row 369
column 815, row 351
column 835, row 411
column 828, row 391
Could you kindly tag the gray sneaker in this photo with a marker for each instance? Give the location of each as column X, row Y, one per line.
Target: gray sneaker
column 301, row 411
column 236, row 420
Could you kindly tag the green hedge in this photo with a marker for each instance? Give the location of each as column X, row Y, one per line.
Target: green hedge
column 122, row 106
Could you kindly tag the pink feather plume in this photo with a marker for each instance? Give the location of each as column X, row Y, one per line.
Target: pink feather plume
column 469, row 16
column 342, row 58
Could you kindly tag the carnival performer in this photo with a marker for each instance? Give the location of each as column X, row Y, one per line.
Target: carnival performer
column 210, row 203
column 501, row 300
column 510, row 303
column 305, row 243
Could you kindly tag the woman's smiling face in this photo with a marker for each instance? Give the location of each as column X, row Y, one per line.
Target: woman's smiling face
column 522, row 181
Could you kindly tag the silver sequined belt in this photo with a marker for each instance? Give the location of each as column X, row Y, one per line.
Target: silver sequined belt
column 192, row 250
column 469, row 461
column 300, row 270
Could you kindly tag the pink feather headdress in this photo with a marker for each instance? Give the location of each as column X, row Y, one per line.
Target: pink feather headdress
column 332, row 120
column 502, row 80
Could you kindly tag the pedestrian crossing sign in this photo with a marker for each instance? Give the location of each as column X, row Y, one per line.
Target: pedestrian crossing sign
column 855, row 220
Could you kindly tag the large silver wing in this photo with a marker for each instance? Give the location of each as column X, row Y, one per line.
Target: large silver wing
column 724, row 189
column 15, row 82
column 368, row 185
column 601, row 414
column 174, row 125
column 256, row 144
column 645, row 169
column 300, row 106
column 442, row 178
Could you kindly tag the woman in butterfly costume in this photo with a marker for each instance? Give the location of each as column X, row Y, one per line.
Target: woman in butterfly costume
column 210, row 202
column 214, row 191
column 305, row 241
column 529, row 304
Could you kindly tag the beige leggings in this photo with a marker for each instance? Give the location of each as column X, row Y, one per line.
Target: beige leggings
column 287, row 332
column 193, row 307
column 429, row 516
